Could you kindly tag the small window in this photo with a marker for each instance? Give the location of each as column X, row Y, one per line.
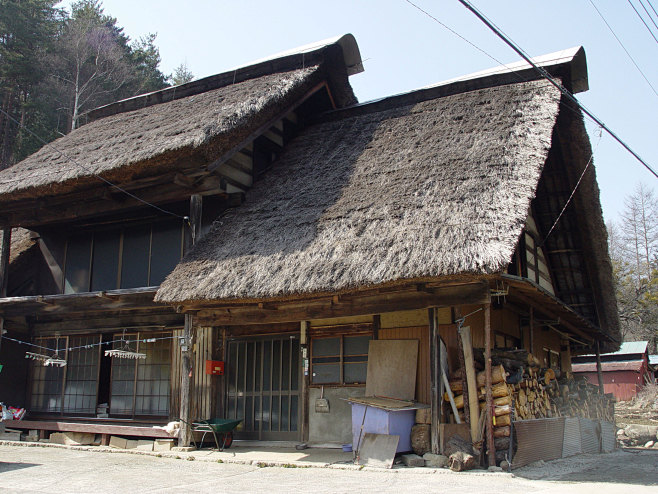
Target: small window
column 341, row 359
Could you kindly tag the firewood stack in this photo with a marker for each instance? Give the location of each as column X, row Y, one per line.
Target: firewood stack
column 579, row 398
column 532, row 399
column 501, row 400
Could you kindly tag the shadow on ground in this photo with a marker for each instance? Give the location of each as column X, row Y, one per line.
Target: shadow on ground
column 9, row 467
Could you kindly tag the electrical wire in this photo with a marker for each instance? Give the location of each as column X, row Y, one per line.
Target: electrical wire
column 654, row 10
column 648, row 13
column 90, row 345
column 564, row 91
column 642, row 19
column 623, row 47
column 94, row 174
column 573, row 191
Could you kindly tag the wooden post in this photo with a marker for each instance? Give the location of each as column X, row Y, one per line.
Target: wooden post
column 435, row 380
column 487, row 384
column 532, row 329
column 599, row 371
column 187, row 360
column 187, row 340
column 471, row 381
column 4, row 270
column 193, row 231
column 304, row 348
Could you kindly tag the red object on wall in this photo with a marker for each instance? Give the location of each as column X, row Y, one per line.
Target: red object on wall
column 215, row 367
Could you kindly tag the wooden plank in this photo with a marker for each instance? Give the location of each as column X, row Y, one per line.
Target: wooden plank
column 392, row 369
column 469, row 363
column 423, row 371
column 123, row 430
column 475, row 293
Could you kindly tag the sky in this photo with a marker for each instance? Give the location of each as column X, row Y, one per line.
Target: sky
column 403, row 49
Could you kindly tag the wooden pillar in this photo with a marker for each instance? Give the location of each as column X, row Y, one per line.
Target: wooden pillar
column 599, row 371
column 186, row 385
column 435, row 380
column 487, row 385
column 187, row 340
column 532, row 330
column 305, row 385
column 4, row 270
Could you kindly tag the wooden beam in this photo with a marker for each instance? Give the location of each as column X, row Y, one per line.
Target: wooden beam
column 303, row 310
column 5, row 248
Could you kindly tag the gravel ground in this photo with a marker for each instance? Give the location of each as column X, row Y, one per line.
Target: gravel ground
column 55, row 470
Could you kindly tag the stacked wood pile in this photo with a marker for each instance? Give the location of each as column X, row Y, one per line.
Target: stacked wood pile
column 502, row 401
column 579, row 398
column 521, row 384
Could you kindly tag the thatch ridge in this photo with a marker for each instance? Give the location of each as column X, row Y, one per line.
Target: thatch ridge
column 438, row 188
column 145, row 142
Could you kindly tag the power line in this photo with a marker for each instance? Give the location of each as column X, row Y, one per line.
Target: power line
column 654, row 10
column 99, row 177
column 642, row 19
column 548, row 77
column 648, row 14
column 624, row 48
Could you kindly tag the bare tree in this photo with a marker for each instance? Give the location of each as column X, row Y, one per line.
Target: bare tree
column 90, row 61
column 633, row 244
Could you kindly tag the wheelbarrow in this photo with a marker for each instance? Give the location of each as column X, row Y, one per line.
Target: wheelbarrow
column 221, row 430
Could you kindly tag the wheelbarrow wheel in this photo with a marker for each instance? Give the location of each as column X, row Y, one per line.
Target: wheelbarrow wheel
column 228, row 439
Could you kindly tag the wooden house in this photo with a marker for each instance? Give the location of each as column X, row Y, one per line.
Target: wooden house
column 300, row 226
column 624, row 372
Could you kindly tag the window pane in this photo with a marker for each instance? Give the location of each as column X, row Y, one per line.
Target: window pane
column 355, row 373
column 326, row 373
column 326, row 347
column 165, row 250
column 135, row 259
column 81, row 374
column 78, row 254
column 356, row 345
column 105, row 264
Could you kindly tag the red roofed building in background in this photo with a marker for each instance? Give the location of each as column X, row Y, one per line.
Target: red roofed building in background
column 625, row 372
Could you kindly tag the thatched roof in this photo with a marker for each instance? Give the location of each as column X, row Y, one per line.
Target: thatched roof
column 132, row 144
column 423, row 190
column 195, row 123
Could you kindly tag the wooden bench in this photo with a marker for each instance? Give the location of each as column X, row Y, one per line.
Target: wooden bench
column 105, row 430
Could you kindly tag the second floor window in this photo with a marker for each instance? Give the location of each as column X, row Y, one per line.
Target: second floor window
column 129, row 257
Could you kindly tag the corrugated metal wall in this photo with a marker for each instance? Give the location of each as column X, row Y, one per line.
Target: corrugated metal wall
column 423, row 370
column 589, row 436
column 572, row 442
column 538, row 439
column 608, row 437
column 202, row 398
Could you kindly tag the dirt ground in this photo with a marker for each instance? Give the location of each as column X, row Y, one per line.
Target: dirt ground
column 55, row 470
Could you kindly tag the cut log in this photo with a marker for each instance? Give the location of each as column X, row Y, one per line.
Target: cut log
column 498, row 375
column 502, row 431
column 461, row 461
column 503, row 420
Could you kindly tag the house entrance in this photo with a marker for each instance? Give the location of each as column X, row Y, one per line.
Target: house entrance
column 263, row 381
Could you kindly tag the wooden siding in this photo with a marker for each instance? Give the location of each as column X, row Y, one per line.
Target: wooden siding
column 202, row 396
column 420, row 333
